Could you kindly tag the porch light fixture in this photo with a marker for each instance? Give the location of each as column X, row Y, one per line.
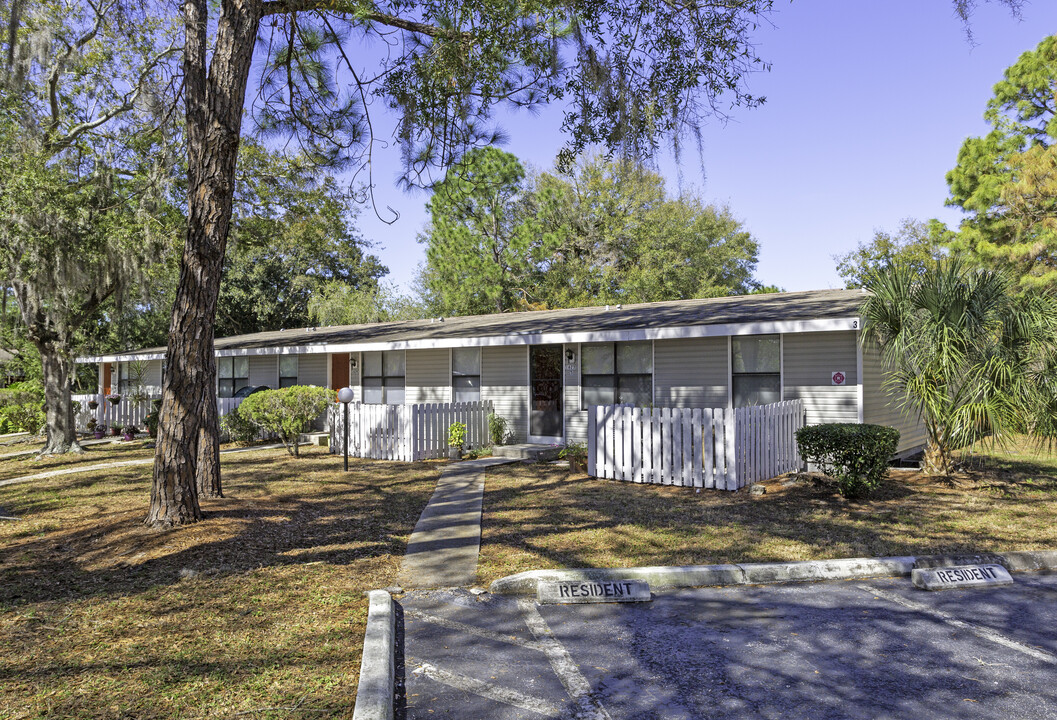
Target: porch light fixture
column 352, row 363
column 570, row 355
column 345, row 396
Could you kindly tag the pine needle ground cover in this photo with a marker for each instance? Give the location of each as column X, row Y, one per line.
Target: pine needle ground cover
column 540, row 516
column 258, row 612
column 111, row 452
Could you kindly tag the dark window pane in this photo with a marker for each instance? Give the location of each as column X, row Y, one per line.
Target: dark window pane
column 636, row 390
column 546, row 362
column 757, row 390
column 225, row 388
column 547, row 395
column 545, row 424
column 286, row 382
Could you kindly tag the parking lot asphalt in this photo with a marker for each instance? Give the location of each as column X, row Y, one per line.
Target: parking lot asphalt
column 860, row 649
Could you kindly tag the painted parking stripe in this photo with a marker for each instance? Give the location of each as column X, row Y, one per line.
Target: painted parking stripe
column 488, row 690
column 984, row 632
column 588, row 704
column 472, row 630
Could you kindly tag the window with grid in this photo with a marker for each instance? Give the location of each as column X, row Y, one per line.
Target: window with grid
column 756, row 371
column 122, row 378
column 233, row 373
column 466, row 374
column 287, row 371
column 617, row 373
column 383, row 377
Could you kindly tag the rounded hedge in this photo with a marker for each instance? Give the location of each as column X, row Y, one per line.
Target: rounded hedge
column 855, row 455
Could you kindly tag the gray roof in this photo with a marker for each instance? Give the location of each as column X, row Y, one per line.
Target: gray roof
column 774, row 307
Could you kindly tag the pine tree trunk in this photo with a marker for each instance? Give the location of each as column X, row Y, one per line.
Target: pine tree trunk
column 214, row 120
column 209, row 445
column 58, row 410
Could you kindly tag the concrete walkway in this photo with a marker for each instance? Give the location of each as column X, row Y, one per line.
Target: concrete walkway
column 123, row 463
column 443, row 548
column 36, row 451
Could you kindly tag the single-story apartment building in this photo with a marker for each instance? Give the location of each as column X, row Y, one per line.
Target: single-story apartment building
column 542, row 369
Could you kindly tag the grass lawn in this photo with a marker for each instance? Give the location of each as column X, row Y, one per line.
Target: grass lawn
column 256, row 613
column 538, row 517
column 13, row 467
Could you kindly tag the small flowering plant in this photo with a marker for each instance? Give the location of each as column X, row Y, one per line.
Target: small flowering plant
column 113, row 398
column 93, row 404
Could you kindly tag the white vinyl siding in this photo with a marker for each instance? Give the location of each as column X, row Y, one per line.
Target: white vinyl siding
column 152, row 378
column 809, row 359
column 355, row 366
column 504, row 381
column 312, row 369
column 690, row 373
column 264, row 370
column 881, row 407
column 428, row 376
column 575, row 418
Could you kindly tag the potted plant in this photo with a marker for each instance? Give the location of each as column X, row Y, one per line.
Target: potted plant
column 115, row 431
column 93, row 404
column 576, row 454
column 113, row 399
column 456, row 439
column 151, row 420
column 129, row 432
column 98, row 429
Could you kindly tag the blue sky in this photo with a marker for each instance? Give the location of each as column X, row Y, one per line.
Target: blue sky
column 867, row 105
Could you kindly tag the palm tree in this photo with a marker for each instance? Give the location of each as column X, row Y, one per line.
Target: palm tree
column 969, row 356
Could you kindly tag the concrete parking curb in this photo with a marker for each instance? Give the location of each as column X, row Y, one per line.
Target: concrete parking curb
column 374, row 694
column 670, row 577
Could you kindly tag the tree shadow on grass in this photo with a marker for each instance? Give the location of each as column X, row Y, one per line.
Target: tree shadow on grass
column 538, row 517
column 279, row 511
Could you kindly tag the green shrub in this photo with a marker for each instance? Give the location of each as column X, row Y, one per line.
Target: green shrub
column 855, row 455
column 239, row 428
column 497, row 426
column 287, row 412
column 22, row 407
column 576, row 454
column 456, row 434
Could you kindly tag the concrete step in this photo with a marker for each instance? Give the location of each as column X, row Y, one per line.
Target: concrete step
column 527, row 452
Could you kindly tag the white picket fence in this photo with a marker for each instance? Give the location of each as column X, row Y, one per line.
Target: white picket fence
column 716, row 448
column 765, row 440
column 406, row 432
column 128, row 413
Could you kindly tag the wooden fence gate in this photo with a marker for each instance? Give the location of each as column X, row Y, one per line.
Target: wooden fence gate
column 406, row 432
column 719, row 448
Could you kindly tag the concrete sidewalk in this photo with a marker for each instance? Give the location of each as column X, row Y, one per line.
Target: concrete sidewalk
column 123, row 463
column 443, row 548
